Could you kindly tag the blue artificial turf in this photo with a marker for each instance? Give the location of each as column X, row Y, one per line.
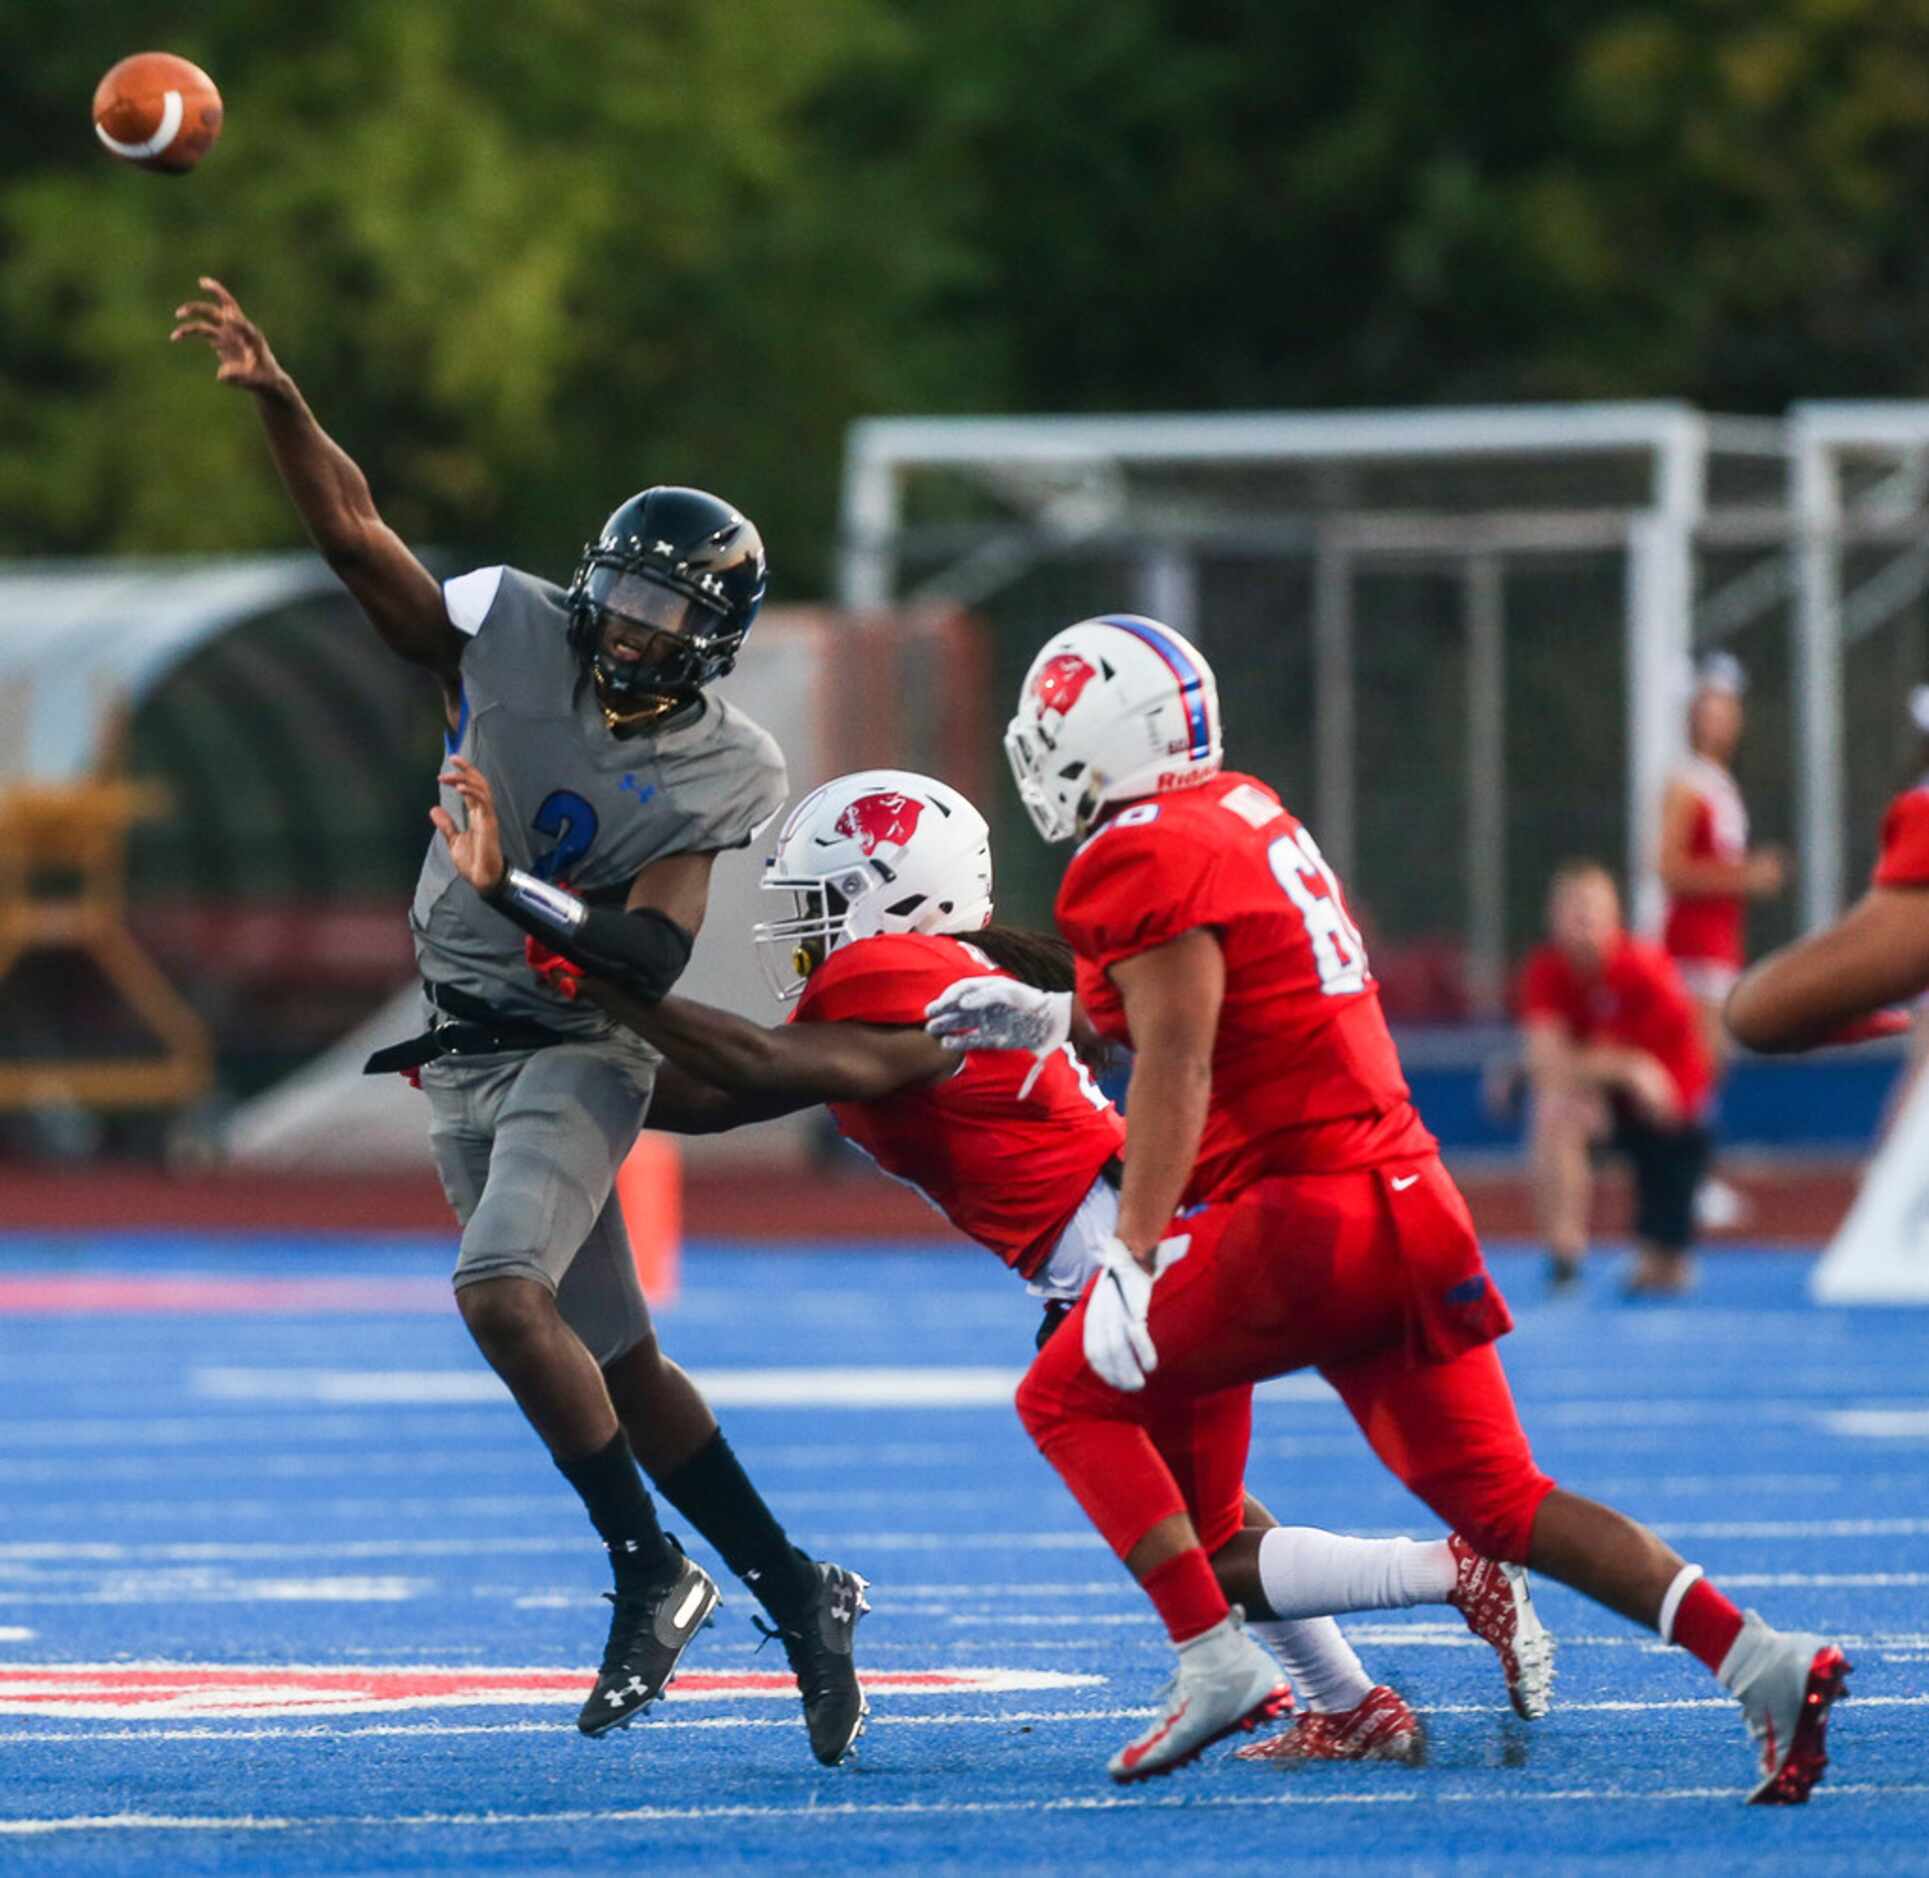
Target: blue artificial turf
column 248, row 1489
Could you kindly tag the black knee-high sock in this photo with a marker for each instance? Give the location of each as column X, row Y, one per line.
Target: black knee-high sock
column 714, row 1494
column 619, row 1508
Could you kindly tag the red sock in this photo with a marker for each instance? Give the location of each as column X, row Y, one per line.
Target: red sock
column 1706, row 1624
column 1187, row 1595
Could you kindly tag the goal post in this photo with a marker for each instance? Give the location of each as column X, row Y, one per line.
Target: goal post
column 1350, row 541
column 1860, row 494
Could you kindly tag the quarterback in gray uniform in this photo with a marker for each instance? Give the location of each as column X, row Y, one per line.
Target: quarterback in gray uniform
column 615, row 771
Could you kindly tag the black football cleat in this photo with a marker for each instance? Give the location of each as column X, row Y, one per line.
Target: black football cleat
column 649, row 1631
column 820, row 1653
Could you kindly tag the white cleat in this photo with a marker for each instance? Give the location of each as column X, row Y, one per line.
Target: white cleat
column 1225, row 1682
column 1494, row 1599
column 1786, row 1685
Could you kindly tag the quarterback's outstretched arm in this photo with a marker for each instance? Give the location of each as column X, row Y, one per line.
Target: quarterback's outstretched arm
column 1833, row 986
column 401, row 597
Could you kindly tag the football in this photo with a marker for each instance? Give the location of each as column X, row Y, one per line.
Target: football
column 158, row 112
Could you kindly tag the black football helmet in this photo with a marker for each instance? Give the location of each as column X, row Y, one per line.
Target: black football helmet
column 685, row 572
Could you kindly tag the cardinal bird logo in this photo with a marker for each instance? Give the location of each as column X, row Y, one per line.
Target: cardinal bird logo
column 1061, row 680
column 874, row 820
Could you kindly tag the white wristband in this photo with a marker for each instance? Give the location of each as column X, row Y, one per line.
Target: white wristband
column 1684, row 1581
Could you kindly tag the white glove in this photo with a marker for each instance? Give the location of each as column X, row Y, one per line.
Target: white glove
column 1001, row 1014
column 1117, row 1344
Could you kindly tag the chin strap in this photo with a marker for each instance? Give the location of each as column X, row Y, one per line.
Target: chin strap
column 650, row 708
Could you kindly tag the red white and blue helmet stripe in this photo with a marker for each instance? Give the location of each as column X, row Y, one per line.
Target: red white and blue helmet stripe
column 1185, row 671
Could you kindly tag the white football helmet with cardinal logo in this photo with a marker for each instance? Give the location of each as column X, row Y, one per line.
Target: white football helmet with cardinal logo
column 884, row 850
column 1112, row 708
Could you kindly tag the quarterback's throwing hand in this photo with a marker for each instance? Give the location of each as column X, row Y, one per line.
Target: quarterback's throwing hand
column 1117, row 1343
column 241, row 352
column 1001, row 1014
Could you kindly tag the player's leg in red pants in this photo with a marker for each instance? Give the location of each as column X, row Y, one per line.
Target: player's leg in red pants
column 1392, row 1303
column 1372, row 1282
column 1203, row 1442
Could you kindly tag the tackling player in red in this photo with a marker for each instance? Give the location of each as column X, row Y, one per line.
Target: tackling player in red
column 1283, row 1206
column 886, row 878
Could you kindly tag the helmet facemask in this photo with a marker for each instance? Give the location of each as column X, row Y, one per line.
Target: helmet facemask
column 1060, row 797
column 792, row 946
column 650, row 645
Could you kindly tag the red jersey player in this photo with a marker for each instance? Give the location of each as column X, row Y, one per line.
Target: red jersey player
column 1614, row 1053
column 1836, row 985
column 887, row 877
column 1318, row 1228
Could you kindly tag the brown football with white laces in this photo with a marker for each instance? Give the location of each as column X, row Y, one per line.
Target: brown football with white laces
column 158, row 112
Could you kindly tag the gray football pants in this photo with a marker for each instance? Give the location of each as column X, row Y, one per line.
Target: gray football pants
column 527, row 1145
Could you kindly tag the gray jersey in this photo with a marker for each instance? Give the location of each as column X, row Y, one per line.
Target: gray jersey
column 577, row 804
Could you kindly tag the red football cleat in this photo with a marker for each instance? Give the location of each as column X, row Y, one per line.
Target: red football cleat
column 1380, row 1728
column 1499, row 1609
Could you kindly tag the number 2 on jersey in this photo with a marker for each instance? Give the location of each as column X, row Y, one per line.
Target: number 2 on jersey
column 564, row 814
column 1339, row 953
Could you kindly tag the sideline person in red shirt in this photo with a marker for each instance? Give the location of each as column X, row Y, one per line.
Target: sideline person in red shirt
column 1282, row 1207
column 1615, row 1057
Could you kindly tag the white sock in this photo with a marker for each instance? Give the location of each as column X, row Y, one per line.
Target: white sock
column 1308, row 1573
column 1330, row 1678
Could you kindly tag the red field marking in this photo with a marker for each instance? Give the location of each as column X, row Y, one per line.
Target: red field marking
column 1799, row 1203
column 153, row 1691
column 137, row 1295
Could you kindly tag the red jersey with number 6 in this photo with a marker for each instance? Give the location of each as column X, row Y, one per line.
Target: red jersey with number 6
column 1305, row 1078
column 1006, row 1173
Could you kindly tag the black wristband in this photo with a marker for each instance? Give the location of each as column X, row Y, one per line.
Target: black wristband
column 644, row 951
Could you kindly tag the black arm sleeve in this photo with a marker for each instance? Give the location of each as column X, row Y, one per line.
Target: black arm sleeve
column 643, row 951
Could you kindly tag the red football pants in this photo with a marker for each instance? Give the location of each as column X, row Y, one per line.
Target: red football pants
column 1376, row 1280
column 1202, row 1442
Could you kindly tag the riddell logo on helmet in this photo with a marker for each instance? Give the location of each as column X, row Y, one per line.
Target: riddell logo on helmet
column 874, row 820
column 1063, row 678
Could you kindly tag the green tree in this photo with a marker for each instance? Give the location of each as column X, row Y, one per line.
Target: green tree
column 527, row 259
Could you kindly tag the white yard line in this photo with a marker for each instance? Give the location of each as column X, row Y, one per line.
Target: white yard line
column 1717, row 1707
column 902, row 1809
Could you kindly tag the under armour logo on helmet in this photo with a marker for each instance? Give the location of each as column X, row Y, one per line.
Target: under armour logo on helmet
column 1061, row 680
column 874, row 820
